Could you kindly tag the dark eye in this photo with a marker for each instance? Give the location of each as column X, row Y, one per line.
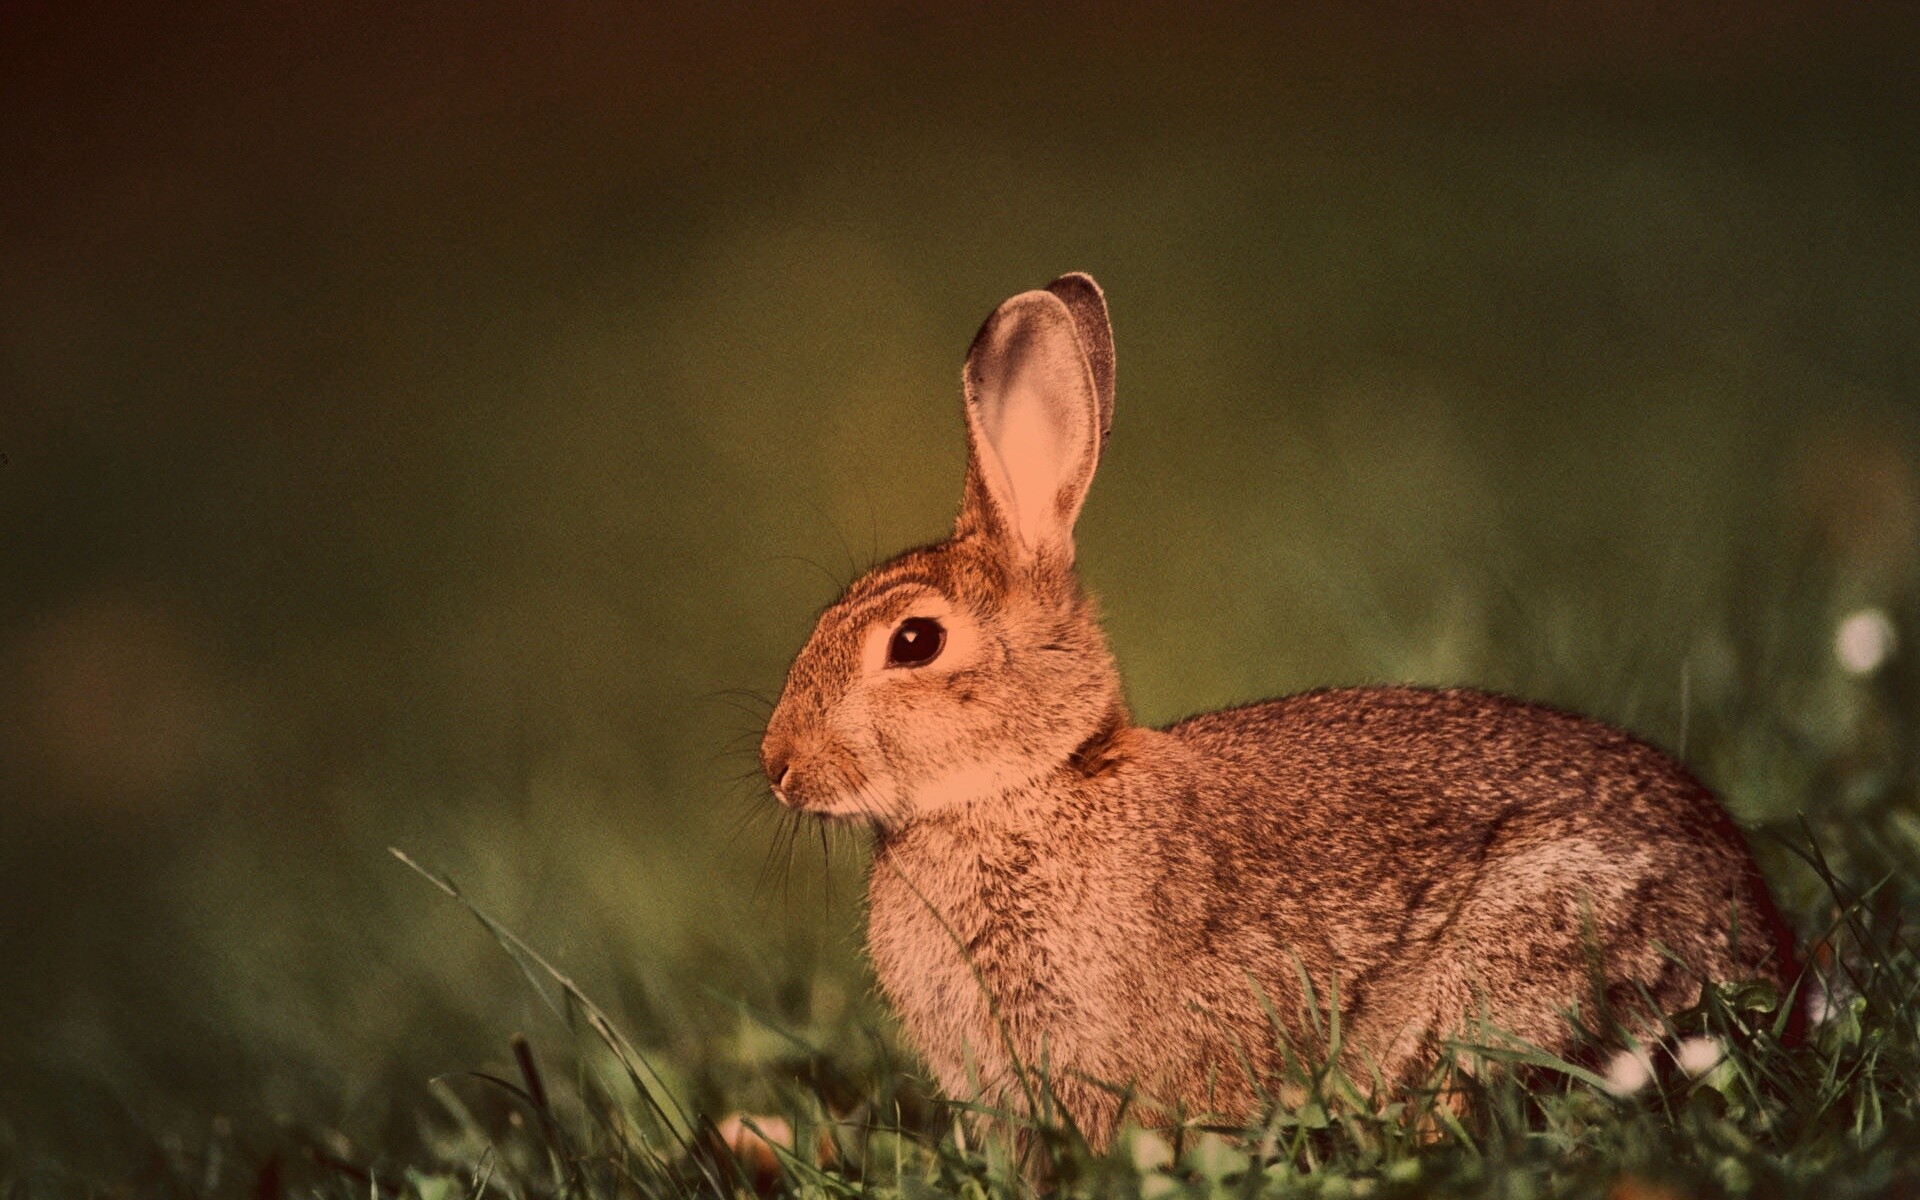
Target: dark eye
column 916, row 642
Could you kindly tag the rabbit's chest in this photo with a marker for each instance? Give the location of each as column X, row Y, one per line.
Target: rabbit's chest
column 979, row 946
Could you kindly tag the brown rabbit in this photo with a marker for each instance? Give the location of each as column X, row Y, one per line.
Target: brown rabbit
column 1131, row 908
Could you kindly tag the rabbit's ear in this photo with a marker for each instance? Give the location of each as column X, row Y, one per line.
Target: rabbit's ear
column 1088, row 304
column 1033, row 427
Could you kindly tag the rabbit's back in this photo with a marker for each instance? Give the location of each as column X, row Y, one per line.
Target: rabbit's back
column 1384, row 783
column 1459, row 842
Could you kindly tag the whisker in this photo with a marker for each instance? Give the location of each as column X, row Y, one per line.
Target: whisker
column 839, row 585
column 734, row 756
column 734, row 753
column 785, row 828
column 739, row 693
column 793, row 844
column 877, row 809
column 751, row 813
column 757, row 715
column 826, row 868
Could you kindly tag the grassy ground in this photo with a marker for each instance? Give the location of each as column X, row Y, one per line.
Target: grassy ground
column 817, row 1105
column 1735, row 1101
column 671, row 1097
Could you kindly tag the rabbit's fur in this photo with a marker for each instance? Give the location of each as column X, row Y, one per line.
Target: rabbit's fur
column 1053, row 886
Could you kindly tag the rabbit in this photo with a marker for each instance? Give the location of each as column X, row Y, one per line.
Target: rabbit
column 1154, row 914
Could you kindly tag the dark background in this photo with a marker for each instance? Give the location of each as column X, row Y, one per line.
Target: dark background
column 418, row 417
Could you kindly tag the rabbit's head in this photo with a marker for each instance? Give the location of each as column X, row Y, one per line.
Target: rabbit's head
column 968, row 670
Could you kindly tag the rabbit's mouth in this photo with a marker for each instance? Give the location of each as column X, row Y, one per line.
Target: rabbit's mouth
column 835, row 796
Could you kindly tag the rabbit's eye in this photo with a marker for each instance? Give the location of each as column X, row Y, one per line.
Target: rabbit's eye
column 916, row 643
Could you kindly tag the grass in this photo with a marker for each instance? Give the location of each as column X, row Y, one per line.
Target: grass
column 583, row 1110
column 1833, row 1115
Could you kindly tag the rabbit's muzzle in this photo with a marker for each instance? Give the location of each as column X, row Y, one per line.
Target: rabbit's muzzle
column 776, row 759
column 804, row 774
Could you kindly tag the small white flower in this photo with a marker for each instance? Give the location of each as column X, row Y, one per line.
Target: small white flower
column 1629, row 1071
column 1698, row 1055
column 1864, row 641
column 1829, row 999
column 1820, row 1006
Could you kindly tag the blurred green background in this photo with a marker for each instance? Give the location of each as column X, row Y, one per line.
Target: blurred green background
column 420, row 418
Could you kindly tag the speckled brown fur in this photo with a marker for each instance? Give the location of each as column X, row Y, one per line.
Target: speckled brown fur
column 1135, row 907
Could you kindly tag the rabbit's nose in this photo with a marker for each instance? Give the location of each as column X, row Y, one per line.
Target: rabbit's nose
column 776, row 759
